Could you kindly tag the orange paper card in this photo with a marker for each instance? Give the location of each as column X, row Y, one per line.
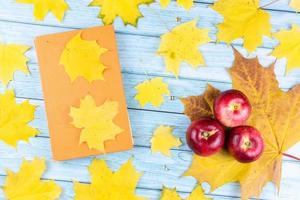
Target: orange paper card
column 83, row 91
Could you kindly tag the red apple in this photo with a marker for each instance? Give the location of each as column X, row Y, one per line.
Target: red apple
column 245, row 144
column 232, row 108
column 205, row 136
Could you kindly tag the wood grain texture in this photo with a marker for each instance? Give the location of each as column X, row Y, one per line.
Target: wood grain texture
column 137, row 49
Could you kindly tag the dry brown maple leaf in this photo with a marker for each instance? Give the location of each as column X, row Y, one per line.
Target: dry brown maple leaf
column 276, row 114
column 200, row 106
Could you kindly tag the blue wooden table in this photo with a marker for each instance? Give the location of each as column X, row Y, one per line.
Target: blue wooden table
column 137, row 49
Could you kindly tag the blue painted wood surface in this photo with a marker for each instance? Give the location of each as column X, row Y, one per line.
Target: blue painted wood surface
column 137, row 49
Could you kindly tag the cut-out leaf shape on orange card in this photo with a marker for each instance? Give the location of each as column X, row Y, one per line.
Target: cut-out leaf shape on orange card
column 128, row 10
column 163, row 140
column 274, row 113
column 289, row 47
column 187, row 4
column 14, row 119
column 26, row 183
column 96, row 122
column 243, row 19
column 43, row 7
column 82, row 58
column 12, row 59
column 295, row 4
column 182, row 45
column 152, row 91
column 171, row 194
column 108, row 185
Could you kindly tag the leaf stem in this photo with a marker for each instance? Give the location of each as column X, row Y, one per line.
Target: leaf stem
column 291, row 156
column 268, row 4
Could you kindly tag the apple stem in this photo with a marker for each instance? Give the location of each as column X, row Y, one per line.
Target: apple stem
column 291, row 156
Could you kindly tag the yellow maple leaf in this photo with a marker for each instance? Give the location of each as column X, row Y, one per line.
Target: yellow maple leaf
column 171, row 194
column 128, row 10
column 243, row 19
column 198, row 194
column 12, row 58
column 96, row 122
column 187, row 4
column 274, row 114
column 163, row 140
column 14, row 119
column 152, row 91
column 26, row 183
column 289, row 47
column 295, row 4
column 43, row 7
column 168, row 194
column 109, row 185
column 181, row 45
column 83, row 58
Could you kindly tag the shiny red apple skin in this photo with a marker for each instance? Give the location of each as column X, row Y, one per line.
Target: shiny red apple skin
column 232, row 108
column 205, row 136
column 245, row 144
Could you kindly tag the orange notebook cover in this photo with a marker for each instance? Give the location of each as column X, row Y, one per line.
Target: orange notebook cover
column 60, row 93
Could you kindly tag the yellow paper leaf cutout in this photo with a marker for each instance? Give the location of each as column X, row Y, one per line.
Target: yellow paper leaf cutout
column 43, row 7
column 289, row 47
column 26, row 184
column 187, row 4
column 182, row 45
column 108, row 185
column 82, row 58
column 163, row 140
column 171, row 194
column 12, row 59
column 295, row 4
column 128, row 10
column 152, row 91
column 243, row 19
column 96, row 122
column 14, row 119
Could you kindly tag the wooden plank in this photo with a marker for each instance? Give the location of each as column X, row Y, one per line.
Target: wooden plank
column 140, row 57
column 156, row 20
column 29, row 87
column 158, row 170
column 143, row 124
column 68, row 193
